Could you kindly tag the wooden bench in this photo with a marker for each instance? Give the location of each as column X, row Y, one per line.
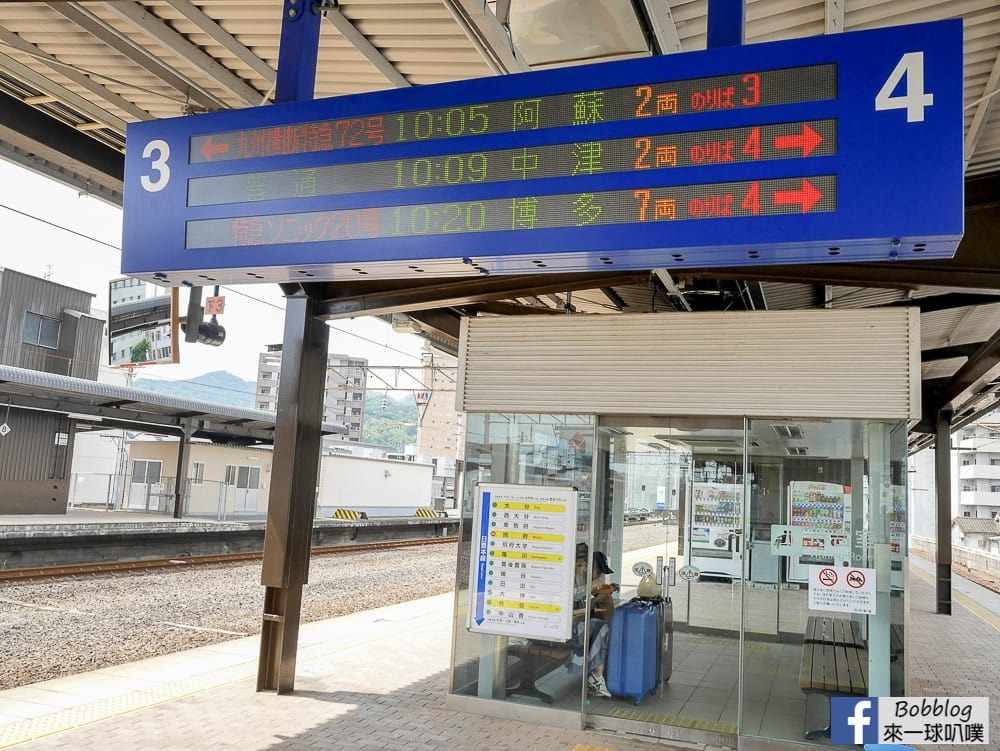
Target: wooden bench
column 832, row 670
column 537, row 659
column 836, row 631
column 825, row 630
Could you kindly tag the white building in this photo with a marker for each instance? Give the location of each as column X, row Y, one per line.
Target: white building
column 440, row 430
column 974, row 532
column 979, row 469
column 975, row 475
column 227, row 482
column 345, row 390
column 440, row 427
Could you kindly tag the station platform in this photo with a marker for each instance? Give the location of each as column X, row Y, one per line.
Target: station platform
column 378, row 680
column 86, row 516
column 84, row 536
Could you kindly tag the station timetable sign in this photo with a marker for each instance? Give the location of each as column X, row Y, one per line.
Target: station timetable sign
column 522, row 564
column 836, row 148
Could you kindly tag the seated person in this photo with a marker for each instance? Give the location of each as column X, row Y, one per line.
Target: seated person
column 602, row 605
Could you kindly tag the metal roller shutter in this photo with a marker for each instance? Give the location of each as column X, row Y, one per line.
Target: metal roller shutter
column 817, row 363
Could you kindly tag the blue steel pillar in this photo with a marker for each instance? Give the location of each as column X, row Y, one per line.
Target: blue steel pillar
column 298, row 422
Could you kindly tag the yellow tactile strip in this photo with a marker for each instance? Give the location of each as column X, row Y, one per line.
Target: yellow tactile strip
column 991, row 618
column 724, row 641
column 684, row 722
column 61, row 720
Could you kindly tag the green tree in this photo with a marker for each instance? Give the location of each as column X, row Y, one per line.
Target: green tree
column 389, row 422
column 141, row 351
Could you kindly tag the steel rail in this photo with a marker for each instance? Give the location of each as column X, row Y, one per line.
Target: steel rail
column 180, row 562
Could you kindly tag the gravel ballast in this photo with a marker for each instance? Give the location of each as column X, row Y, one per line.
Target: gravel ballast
column 55, row 627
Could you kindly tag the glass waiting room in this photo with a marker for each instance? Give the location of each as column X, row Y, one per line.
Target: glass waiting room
column 730, row 521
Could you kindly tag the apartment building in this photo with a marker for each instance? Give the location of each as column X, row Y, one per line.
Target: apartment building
column 979, row 469
column 345, row 390
column 440, row 430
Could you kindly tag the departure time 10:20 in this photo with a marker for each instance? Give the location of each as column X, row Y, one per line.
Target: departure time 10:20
column 440, row 218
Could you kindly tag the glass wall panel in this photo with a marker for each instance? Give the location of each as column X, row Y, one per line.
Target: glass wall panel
column 826, row 521
column 679, row 485
column 521, row 449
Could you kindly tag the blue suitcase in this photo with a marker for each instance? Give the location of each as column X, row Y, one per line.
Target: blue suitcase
column 632, row 650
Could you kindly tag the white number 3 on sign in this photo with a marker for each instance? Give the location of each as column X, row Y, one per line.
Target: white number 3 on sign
column 915, row 99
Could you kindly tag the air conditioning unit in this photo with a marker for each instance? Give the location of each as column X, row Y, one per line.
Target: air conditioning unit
column 788, row 431
column 403, row 324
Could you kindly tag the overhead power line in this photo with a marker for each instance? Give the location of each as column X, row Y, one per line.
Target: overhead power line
column 228, row 289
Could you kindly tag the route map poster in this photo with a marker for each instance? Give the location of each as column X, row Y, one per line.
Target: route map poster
column 523, row 561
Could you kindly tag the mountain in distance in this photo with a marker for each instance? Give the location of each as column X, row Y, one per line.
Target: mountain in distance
column 218, row 387
column 389, row 421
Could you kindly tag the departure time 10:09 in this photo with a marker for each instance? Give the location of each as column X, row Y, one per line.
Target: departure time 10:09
column 453, row 169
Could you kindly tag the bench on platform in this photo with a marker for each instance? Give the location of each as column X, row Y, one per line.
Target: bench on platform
column 832, row 670
column 825, row 630
column 537, row 659
column 837, row 631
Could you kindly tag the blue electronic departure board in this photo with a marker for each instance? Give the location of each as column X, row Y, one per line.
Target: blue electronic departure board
column 839, row 148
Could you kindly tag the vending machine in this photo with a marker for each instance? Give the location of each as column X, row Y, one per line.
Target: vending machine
column 716, row 528
column 820, row 513
column 897, row 535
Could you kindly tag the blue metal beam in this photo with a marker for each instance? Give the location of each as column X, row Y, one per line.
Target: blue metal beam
column 725, row 23
column 300, row 25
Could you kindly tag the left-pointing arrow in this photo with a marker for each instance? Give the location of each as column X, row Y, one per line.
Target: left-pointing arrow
column 209, row 149
column 807, row 196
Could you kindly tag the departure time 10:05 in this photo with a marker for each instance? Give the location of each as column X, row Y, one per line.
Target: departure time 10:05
column 452, row 122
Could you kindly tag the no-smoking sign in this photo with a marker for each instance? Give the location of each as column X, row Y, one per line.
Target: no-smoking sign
column 842, row 589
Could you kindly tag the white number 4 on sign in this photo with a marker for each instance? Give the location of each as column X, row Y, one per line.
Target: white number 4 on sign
column 915, row 99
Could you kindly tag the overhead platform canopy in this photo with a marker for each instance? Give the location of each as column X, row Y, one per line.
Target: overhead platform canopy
column 99, row 405
column 74, row 74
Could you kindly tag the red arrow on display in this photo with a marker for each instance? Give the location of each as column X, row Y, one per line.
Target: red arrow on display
column 209, row 149
column 806, row 197
column 807, row 140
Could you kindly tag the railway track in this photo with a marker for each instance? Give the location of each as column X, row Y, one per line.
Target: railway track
column 108, row 567
column 90, row 569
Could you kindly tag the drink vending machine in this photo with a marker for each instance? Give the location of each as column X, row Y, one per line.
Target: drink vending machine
column 822, row 513
column 716, row 528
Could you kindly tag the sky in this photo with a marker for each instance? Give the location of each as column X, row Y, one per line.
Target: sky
column 51, row 230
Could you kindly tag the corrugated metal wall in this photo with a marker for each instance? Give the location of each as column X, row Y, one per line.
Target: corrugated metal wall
column 816, row 363
column 30, row 450
column 34, row 462
column 22, row 293
column 87, row 348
